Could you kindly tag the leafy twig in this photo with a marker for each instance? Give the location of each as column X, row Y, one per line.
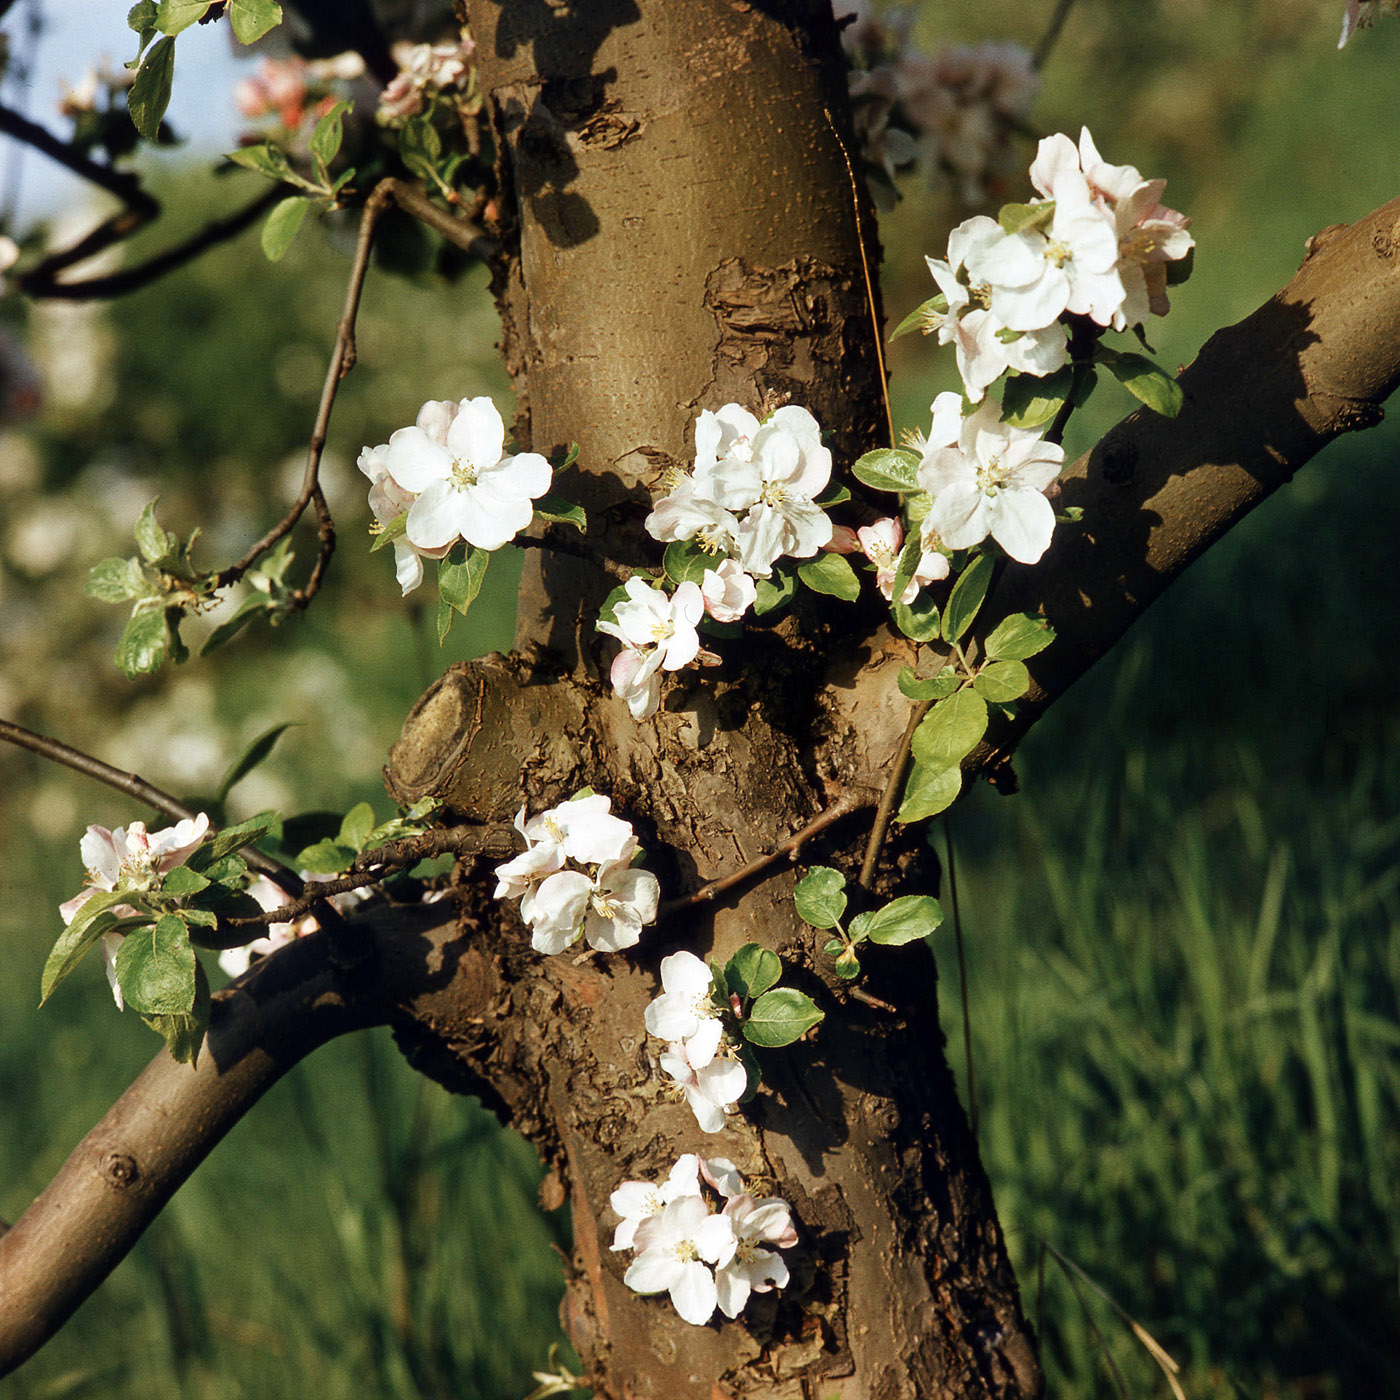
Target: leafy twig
column 885, row 811
column 140, row 789
column 854, row 799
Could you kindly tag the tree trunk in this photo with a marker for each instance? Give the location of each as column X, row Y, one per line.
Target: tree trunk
column 685, row 233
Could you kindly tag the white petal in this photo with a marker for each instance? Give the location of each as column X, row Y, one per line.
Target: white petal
column 1022, row 523
column 434, row 519
column 694, row 1293
column 415, row 461
column 477, row 433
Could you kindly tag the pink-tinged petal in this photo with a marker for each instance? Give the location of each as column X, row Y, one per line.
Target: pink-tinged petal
column 694, row 1293
column 415, row 461
column 435, row 418
column 408, row 567
column 434, row 519
column 477, row 433
column 111, row 942
column 1022, row 523
column 102, row 853
column 723, row 1175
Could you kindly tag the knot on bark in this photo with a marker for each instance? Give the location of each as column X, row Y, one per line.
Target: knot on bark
column 120, row 1170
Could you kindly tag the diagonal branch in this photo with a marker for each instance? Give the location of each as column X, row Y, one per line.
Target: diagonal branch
column 121, row 1175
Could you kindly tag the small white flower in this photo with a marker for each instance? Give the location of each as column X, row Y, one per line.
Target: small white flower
column 636, row 1201
column 464, row 486
column 130, row 858
column 728, row 591
column 608, row 911
column 711, row 1088
column 674, row 1250
column 882, row 543
column 686, row 1011
column 752, row 1268
column 991, row 483
column 657, row 633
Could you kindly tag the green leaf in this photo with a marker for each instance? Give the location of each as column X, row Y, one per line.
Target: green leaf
column 903, row 920
column 143, row 642
column 183, row 881
column 255, row 753
column 848, row 964
column 774, row 593
column 834, row 947
column 1028, row 400
column 266, row 159
column 856, row 932
column 752, row 970
column 686, row 562
column 326, row 138
column 920, row 317
column 445, row 614
column 607, row 612
column 888, row 469
column 928, row 791
column 1143, row 380
column 459, row 583
column 173, row 16
column 420, row 148
column 913, row 687
column 230, row 839
column 951, row 730
column 830, row 574
column 141, row 18
column 154, row 543
column 252, row 19
column 1018, row 637
column 118, row 580
column 1017, row 218
column 834, row 495
column 781, row 1016
column 184, row 1033
column 917, row 620
column 355, row 829
column 150, row 93
column 906, row 564
column 820, row 896
column 966, row 598
column 228, row 870
column 282, row 226
column 155, row 968
column 1002, row 681
column 561, row 512
column 390, row 531
column 89, row 924
column 227, row 630
column 324, row 858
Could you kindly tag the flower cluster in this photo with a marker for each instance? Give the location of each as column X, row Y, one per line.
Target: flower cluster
column 881, row 543
column 703, row 1259
column 1361, row 14
column 1095, row 244
column 700, row 1059
column 130, row 858
column 751, row 496
column 427, row 72
column 955, row 113
column 447, row 478
column 606, row 902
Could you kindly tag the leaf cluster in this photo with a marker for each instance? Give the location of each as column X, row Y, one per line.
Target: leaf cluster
column 821, row 901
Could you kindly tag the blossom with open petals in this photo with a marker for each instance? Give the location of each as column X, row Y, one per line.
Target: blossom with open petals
column 882, row 543
column 711, row 1088
column 686, row 1011
column 607, row 910
column 753, row 1267
column 991, row 480
column 674, row 1250
column 657, row 633
column 130, row 858
column 636, row 1201
column 464, row 486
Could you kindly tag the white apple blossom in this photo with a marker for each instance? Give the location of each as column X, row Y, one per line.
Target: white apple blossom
column 463, row 485
column 130, row 858
column 754, row 1268
column 674, row 1250
column 1038, row 274
column 969, row 325
column 882, row 543
column 657, row 633
column 990, row 480
column 711, row 1088
column 636, row 1201
column 388, row 500
column 607, row 910
column 686, row 1011
column 728, row 591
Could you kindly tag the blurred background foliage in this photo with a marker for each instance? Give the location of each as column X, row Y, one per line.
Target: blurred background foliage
column 1182, row 939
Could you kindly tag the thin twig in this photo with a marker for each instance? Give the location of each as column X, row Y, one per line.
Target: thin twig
column 140, row 789
column 865, row 268
column 854, row 799
column 558, row 543
column 39, row 281
column 962, row 972
column 1052, row 34
column 462, row 233
column 885, row 810
column 342, row 358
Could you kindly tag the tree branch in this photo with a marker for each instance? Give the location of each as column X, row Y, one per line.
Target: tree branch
column 139, row 788
column 1261, row 399
column 122, row 1174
